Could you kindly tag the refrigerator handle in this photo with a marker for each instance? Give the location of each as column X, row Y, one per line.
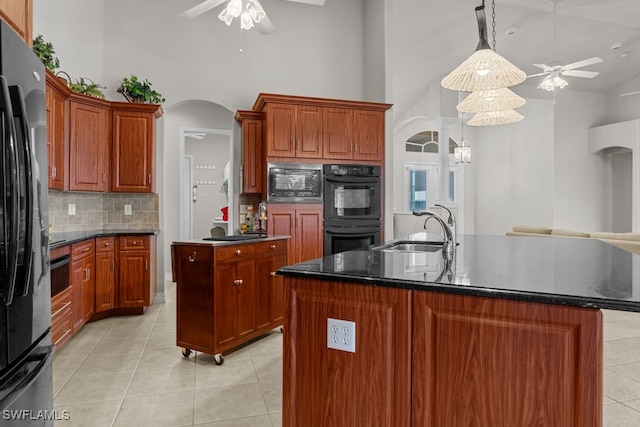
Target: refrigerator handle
column 20, row 113
column 10, row 201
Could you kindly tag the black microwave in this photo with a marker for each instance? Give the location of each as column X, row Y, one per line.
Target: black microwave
column 294, row 183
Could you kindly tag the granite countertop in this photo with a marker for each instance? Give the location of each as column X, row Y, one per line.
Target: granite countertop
column 224, row 242
column 564, row 271
column 62, row 239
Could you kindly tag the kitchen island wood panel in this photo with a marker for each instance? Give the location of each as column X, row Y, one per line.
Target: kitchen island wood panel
column 327, row 387
column 492, row 362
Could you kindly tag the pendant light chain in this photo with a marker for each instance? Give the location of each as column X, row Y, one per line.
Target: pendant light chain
column 493, row 24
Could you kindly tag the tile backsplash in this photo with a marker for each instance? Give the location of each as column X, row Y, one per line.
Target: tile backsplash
column 102, row 211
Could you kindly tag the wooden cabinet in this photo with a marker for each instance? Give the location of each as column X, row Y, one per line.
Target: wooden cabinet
column 323, row 129
column 303, row 222
column 521, row 363
column 57, row 133
column 136, row 271
column 293, row 131
column 88, row 146
column 133, row 147
column 19, row 15
column 83, row 282
column 105, row 273
column 227, row 294
column 323, row 386
column 253, row 158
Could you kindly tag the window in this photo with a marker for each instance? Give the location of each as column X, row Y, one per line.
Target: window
column 422, row 185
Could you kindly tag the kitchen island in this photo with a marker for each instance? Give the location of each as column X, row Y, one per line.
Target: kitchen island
column 508, row 332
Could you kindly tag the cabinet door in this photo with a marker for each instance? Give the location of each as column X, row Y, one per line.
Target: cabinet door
column 338, row 133
column 280, row 222
column 19, row 15
column 133, row 280
column 89, row 289
column 308, row 122
column 368, row 131
column 133, row 154
column 308, row 234
column 224, row 304
column 246, row 298
column 280, row 130
column 56, row 139
column 105, row 280
column 88, row 147
column 253, row 161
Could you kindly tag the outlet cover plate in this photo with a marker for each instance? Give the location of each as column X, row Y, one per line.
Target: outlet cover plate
column 127, row 209
column 341, row 335
column 72, row 209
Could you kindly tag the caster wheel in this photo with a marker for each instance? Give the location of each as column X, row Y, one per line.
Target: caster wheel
column 218, row 359
column 186, row 352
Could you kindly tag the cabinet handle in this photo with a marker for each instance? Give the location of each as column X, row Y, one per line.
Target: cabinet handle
column 192, row 257
column 65, row 305
column 67, row 332
column 237, row 282
column 104, row 177
column 86, row 250
column 273, row 246
column 54, row 171
column 238, row 251
column 87, row 274
column 272, row 274
column 146, row 264
column 149, row 183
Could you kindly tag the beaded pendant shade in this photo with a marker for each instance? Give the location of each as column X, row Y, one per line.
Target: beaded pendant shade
column 490, row 100
column 492, row 118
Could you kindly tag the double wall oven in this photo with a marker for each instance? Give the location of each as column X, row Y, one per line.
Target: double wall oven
column 352, row 207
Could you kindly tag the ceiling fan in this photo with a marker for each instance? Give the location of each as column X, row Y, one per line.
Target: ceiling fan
column 554, row 73
column 250, row 13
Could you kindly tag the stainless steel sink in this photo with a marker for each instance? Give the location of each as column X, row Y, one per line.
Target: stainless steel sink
column 410, row 246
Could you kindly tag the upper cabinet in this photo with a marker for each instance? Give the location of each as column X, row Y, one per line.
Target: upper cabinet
column 98, row 145
column 319, row 128
column 19, row 15
column 133, row 149
column 253, row 157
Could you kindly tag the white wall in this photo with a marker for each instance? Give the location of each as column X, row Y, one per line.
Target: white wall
column 621, row 196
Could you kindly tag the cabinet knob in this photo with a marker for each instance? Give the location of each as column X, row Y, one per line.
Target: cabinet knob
column 273, row 274
column 273, row 246
column 192, row 257
column 237, row 282
column 238, row 251
column 134, row 243
column 106, row 243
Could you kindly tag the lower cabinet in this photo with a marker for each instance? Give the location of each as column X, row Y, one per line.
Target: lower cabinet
column 136, row 267
column 227, row 294
column 83, row 282
column 105, row 273
column 61, row 318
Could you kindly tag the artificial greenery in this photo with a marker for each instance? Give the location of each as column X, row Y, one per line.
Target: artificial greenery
column 136, row 90
column 91, row 88
column 45, row 52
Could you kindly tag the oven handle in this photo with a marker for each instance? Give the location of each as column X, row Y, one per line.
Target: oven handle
column 354, row 180
column 352, row 231
column 59, row 262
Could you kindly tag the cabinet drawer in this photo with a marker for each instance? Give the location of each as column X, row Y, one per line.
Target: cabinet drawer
column 60, row 252
column 232, row 252
column 61, row 317
column 105, row 244
column 128, row 243
column 273, row 247
column 83, row 249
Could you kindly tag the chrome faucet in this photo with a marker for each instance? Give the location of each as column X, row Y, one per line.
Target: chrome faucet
column 448, row 239
column 451, row 221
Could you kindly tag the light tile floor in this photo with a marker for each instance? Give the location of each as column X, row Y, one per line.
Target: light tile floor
column 127, row 371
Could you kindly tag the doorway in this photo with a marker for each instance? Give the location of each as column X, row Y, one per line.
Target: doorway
column 206, row 183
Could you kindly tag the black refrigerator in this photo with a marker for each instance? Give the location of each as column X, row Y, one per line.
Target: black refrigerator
column 25, row 291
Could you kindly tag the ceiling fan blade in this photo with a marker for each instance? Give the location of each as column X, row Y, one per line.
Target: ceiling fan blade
column 536, row 75
column 265, row 26
column 545, row 67
column 630, row 93
column 580, row 73
column 201, row 8
column 314, row 2
column 582, row 63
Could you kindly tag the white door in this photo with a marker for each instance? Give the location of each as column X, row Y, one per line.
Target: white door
column 187, row 198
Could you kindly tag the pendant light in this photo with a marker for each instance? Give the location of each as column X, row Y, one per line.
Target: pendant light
column 462, row 153
column 490, row 100
column 492, row 118
column 484, row 69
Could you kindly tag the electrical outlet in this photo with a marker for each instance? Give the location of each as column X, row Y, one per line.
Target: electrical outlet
column 72, row 209
column 127, row 209
column 341, row 335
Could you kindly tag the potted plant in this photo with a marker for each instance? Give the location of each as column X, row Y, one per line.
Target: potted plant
column 90, row 89
column 45, row 52
column 136, row 90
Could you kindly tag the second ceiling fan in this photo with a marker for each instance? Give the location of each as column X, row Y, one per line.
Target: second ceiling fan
column 250, row 13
